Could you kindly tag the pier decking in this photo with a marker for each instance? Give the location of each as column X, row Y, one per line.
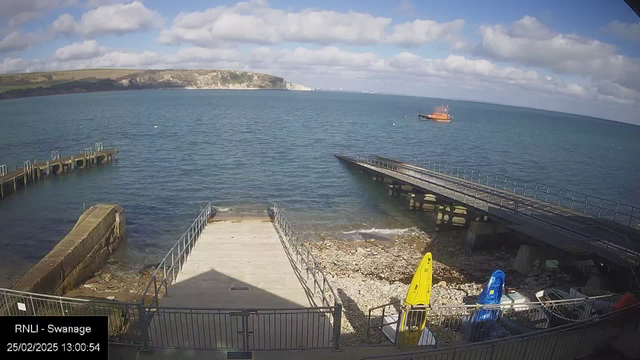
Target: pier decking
column 30, row 172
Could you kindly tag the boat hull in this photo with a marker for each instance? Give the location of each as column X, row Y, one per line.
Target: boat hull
column 431, row 118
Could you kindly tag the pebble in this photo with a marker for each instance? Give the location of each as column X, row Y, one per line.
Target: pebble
column 367, row 274
column 111, row 297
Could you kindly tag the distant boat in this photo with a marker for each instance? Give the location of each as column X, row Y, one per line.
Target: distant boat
column 441, row 114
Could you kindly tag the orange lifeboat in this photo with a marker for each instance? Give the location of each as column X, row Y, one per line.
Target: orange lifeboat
column 441, row 114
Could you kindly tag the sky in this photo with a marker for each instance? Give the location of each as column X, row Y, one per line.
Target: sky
column 579, row 57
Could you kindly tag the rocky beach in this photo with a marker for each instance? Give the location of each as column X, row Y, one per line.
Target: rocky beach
column 368, row 273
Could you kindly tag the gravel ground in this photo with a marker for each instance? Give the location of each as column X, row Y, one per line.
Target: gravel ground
column 370, row 273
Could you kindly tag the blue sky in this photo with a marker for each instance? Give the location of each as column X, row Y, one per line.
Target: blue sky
column 542, row 54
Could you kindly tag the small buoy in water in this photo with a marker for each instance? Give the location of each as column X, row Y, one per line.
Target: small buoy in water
column 394, row 124
column 155, row 126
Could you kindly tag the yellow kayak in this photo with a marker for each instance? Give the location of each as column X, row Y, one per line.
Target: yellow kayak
column 419, row 295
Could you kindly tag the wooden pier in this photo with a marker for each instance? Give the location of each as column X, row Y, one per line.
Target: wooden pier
column 30, row 172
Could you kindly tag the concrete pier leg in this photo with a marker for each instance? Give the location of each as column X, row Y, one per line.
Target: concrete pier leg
column 72, row 164
column 15, row 186
column 485, row 234
column 459, row 216
column 48, row 168
column 527, row 256
column 1, row 189
column 429, row 203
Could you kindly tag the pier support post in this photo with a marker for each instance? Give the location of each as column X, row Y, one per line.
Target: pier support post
column 527, row 256
column 451, row 215
column 485, row 234
column 421, row 202
column 48, row 168
column 72, row 164
column 1, row 189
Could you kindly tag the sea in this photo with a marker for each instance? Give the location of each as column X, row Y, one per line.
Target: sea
column 179, row 150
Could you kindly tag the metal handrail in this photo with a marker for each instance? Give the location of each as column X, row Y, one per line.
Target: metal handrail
column 304, row 256
column 177, row 255
column 469, row 347
column 527, row 209
column 31, row 295
column 537, row 190
column 444, row 317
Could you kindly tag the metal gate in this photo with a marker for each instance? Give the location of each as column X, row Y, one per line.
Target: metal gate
column 242, row 329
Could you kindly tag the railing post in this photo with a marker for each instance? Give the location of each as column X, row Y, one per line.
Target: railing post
column 143, row 326
column 337, row 325
column 155, row 286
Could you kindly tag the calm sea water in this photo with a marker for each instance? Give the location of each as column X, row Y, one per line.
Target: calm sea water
column 180, row 149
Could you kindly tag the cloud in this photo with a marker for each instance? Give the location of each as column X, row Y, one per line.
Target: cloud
column 624, row 30
column 255, row 22
column 86, row 50
column 97, row 3
column 454, row 67
column 423, row 31
column 406, row 6
column 17, row 12
column 109, row 19
column 531, row 43
column 15, row 41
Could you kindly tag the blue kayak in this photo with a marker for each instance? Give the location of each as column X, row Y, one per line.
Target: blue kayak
column 483, row 323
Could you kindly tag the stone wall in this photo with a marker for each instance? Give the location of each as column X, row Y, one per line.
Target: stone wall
column 79, row 254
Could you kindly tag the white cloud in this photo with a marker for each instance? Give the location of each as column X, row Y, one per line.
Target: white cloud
column 529, row 42
column 86, row 50
column 255, row 22
column 63, row 24
column 540, row 47
column 17, row 12
column 530, row 28
column 15, row 41
column 97, row 3
column 624, row 30
column 109, row 19
column 423, row 31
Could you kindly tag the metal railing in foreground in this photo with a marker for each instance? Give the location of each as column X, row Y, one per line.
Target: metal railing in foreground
column 569, row 341
column 462, row 324
column 172, row 263
column 242, row 329
column 124, row 318
column 314, row 275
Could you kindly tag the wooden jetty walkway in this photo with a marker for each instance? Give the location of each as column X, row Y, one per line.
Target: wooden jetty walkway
column 579, row 225
column 30, row 172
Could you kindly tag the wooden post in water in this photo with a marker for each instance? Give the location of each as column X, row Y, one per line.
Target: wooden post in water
column 1, row 189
